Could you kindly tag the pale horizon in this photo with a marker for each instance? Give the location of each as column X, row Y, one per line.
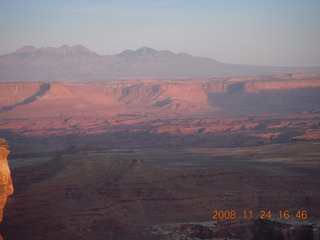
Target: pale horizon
column 265, row 33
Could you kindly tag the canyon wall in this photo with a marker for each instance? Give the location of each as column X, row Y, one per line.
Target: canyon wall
column 160, row 97
column 69, row 114
column 6, row 187
column 257, row 87
column 162, row 113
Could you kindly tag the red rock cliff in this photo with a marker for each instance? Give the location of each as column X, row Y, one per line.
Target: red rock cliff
column 6, row 187
column 191, row 97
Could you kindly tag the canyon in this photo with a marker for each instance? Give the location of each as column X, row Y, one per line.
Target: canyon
column 152, row 158
column 227, row 112
column 95, row 196
column 285, row 93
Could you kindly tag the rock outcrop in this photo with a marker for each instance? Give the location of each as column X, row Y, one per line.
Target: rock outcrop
column 194, row 97
column 258, row 229
column 6, row 187
column 277, row 230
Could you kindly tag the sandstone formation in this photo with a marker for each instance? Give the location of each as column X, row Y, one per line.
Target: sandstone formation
column 6, row 187
column 224, row 112
column 228, row 96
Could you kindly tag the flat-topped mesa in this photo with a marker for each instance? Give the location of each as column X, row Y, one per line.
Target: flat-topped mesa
column 256, row 87
column 6, row 187
column 191, row 97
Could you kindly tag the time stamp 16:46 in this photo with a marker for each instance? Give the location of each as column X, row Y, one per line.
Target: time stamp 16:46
column 285, row 214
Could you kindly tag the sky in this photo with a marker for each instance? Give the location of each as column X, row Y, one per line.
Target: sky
column 263, row 32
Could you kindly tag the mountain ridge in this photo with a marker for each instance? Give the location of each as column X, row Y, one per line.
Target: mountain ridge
column 79, row 64
column 62, row 49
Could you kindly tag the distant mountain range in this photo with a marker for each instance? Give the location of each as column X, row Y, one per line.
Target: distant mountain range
column 78, row 64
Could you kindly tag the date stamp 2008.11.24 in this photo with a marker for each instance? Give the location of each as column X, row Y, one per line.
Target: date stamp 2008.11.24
column 263, row 214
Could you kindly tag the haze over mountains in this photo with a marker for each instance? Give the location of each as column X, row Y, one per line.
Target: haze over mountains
column 77, row 63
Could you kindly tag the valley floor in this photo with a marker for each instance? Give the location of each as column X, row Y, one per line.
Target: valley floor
column 166, row 193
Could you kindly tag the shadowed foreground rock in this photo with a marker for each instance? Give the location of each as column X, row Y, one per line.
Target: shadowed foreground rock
column 94, row 197
column 259, row 229
column 6, row 187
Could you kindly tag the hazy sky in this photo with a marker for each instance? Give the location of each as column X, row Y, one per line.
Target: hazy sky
column 260, row 32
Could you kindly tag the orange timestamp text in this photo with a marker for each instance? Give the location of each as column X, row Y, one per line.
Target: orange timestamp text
column 284, row 214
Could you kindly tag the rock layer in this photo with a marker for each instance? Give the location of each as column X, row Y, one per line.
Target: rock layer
column 161, row 97
column 83, row 197
column 6, row 187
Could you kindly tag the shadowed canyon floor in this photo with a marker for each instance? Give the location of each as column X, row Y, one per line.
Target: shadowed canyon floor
column 152, row 159
column 66, row 135
column 110, row 195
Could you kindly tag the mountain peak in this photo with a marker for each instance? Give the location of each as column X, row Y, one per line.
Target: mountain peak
column 26, row 49
column 64, row 49
column 52, row 64
column 145, row 50
column 81, row 48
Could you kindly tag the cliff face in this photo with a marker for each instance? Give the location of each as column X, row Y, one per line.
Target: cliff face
column 12, row 93
column 257, row 87
column 69, row 114
column 6, row 187
column 161, row 97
